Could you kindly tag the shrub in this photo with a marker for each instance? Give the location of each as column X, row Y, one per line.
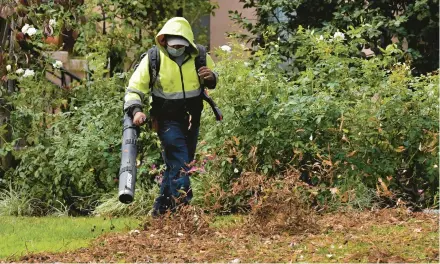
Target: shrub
column 110, row 206
column 17, row 202
column 341, row 120
column 342, row 117
column 67, row 153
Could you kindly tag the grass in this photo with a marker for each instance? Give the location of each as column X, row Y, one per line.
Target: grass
column 415, row 241
column 227, row 221
column 22, row 235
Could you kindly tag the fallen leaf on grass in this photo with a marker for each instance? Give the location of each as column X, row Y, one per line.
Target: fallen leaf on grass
column 417, row 230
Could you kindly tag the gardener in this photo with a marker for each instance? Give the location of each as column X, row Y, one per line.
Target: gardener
column 176, row 106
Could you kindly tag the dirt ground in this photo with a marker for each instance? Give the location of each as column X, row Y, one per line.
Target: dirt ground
column 387, row 235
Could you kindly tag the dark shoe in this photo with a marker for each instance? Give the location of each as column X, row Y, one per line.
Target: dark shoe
column 161, row 205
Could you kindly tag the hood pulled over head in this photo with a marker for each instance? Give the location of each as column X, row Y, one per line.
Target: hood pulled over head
column 177, row 26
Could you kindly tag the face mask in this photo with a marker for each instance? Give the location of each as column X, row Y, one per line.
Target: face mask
column 175, row 52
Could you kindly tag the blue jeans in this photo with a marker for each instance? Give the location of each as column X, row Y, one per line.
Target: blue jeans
column 178, row 149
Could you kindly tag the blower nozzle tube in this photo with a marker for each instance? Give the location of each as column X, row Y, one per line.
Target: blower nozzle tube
column 127, row 172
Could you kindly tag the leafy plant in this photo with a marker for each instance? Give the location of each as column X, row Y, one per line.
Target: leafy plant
column 69, row 139
column 110, row 205
column 17, row 202
column 376, row 22
column 127, row 28
column 368, row 127
column 340, row 117
column 66, row 143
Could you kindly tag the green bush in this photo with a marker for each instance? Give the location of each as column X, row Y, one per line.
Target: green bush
column 17, row 202
column 67, row 153
column 377, row 22
column 342, row 120
column 342, row 117
column 68, row 142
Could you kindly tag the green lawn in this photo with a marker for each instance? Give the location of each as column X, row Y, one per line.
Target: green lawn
column 22, row 235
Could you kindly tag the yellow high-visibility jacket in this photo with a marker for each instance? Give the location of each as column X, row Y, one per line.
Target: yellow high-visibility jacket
column 174, row 84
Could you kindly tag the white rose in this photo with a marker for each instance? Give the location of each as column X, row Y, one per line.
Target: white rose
column 28, row 73
column 226, row 48
column 25, row 28
column 31, row 31
column 52, row 22
column 8, row 68
column 19, row 71
column 339, row 35
column 57, row 64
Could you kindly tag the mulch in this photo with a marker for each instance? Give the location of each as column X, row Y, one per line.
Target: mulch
column 189, row 238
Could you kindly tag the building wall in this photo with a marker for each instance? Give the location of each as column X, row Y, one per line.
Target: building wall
column 220, row 23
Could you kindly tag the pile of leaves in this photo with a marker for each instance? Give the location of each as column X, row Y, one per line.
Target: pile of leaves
column 368, row 236
column 187, row 219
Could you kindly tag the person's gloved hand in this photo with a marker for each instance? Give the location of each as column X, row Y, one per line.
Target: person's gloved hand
column 139, row 118
column 206, row 74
